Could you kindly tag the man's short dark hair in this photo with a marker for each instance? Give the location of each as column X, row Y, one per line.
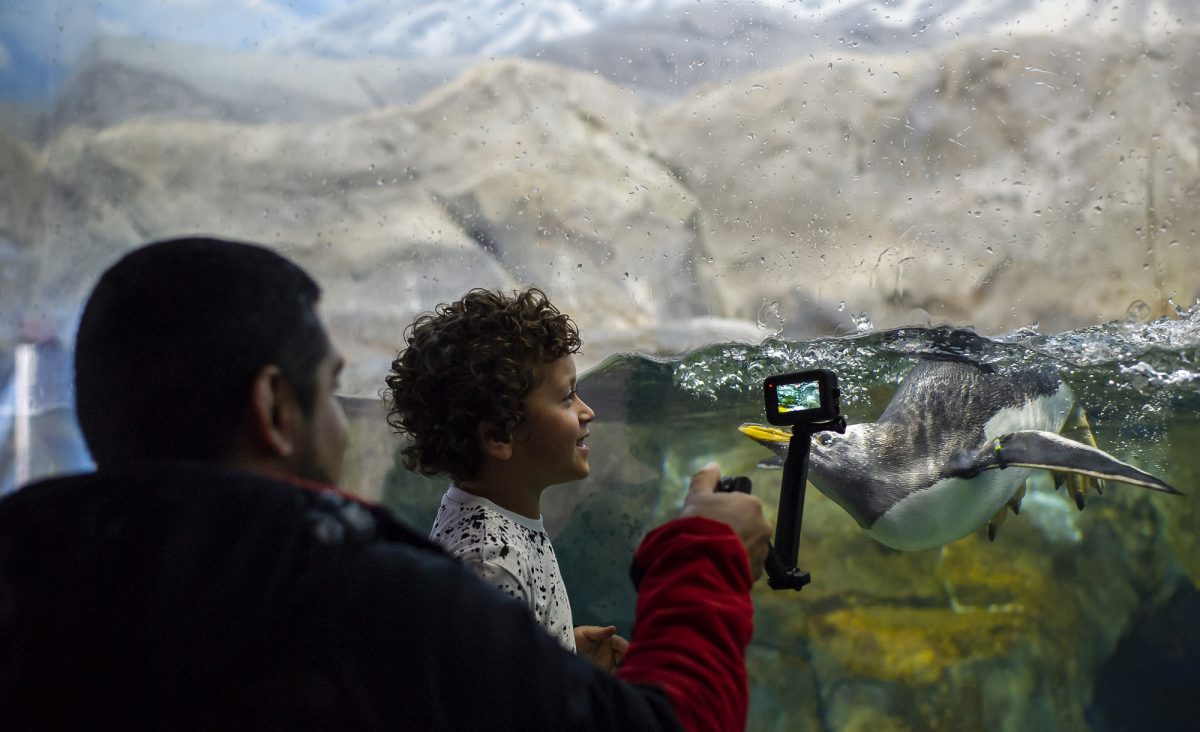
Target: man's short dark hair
column 469, row 362
column 170, row 341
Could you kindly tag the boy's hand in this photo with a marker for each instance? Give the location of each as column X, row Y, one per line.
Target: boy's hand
column 602, row 645
column 742, row 512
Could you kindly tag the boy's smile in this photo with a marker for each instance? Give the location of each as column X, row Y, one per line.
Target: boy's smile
column 550, row 440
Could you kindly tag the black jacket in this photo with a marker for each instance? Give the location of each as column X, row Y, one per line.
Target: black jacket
column 189, row 596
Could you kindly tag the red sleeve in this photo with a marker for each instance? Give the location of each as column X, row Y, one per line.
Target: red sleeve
column 694, row 621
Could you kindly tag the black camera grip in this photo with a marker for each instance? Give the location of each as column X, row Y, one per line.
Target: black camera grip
column 734, row 484
column 777, row 569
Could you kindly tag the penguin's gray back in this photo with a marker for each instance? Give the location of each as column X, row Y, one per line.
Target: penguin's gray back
column 943, row 406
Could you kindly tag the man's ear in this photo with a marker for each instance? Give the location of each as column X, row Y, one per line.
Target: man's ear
column 275, row 415
column 494, row 442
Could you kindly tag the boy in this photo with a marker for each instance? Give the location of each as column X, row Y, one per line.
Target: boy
column 485, row 389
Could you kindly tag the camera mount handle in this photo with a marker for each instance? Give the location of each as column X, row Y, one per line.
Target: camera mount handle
column 782, row 572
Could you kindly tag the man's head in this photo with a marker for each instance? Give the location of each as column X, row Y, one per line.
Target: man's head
column 470, row 366
column 208, row 350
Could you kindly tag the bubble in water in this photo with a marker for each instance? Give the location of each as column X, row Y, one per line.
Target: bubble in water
column 1137, row 313
column 842, row 306
column 862, row 322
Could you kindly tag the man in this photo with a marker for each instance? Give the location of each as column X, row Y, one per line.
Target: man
column 207, row 576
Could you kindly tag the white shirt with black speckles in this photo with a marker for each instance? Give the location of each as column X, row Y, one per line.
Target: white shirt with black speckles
column 511, row 551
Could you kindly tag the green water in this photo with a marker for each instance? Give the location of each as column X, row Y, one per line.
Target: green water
column 1069, row 620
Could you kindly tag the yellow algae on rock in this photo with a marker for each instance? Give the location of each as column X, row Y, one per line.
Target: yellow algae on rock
column 916, row 645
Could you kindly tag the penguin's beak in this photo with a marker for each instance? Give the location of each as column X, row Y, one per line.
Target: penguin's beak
column 764, row 435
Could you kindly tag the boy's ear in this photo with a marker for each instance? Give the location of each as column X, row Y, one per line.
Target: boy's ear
column 275, row 415
column 495, row 443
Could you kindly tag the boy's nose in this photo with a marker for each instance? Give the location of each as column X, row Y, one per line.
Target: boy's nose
column 587, row 415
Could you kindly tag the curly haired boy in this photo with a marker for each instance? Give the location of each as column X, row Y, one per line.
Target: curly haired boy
column 485, row 391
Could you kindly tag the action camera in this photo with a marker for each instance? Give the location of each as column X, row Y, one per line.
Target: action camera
column 802, row 398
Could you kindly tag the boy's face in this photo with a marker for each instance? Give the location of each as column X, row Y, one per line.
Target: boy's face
column 549, row 441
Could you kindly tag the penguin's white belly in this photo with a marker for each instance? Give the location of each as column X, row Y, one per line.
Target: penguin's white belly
column 948, row 510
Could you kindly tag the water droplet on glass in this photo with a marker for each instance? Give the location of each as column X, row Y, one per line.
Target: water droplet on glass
column 769, row 318
column 862, row 322
column 1137, row 313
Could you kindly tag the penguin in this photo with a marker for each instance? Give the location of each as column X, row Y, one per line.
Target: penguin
column 952, row 451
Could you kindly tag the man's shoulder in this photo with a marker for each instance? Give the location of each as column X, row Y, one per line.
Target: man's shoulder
column 223, row 499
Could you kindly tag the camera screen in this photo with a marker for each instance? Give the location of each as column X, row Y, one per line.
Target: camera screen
column 798, row 397
column 801, row 398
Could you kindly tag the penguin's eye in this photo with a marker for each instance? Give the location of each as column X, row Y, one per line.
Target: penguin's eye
column 824, row 438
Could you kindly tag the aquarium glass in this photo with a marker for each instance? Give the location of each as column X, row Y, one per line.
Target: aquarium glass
column 716, row 191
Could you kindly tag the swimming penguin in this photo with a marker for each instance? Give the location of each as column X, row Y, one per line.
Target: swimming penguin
column 952, row 451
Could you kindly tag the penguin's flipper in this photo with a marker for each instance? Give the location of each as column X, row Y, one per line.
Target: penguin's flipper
column 1049, row 451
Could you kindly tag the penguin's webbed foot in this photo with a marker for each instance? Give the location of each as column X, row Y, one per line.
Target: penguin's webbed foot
column 993, row 525
column 1078, row 486
column 1014, row 505
column 1077, row 428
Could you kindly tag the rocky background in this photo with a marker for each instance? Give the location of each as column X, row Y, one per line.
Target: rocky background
column 724, row 195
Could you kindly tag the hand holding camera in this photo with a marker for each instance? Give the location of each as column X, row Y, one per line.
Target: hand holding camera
column 741, row 511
